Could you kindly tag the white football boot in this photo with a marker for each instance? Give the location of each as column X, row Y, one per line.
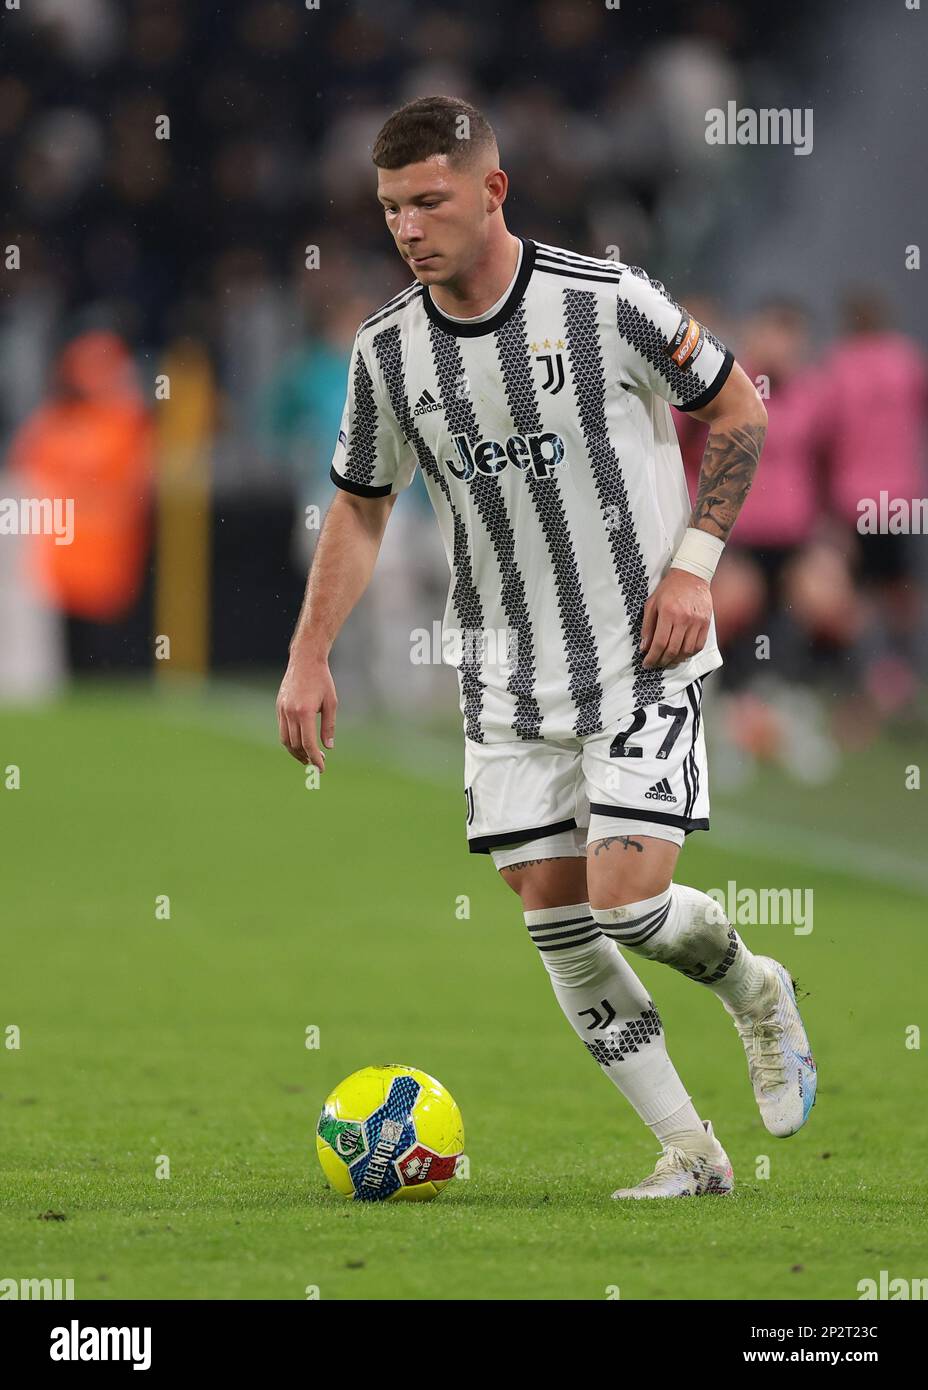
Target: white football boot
column 700, row 1170
column 780, row 1060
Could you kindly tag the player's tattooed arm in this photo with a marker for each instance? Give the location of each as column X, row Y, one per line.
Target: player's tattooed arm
column 676, row 618
column 728, row 467
column 737, row 422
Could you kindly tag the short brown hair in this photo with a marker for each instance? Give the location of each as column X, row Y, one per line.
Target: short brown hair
column 432, row 125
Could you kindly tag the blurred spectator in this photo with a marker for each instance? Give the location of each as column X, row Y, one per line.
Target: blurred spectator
column 877, row 384
column 877, row 392
column 300, row 413
column 778, row 603
column 90, row 444
column 783, row 506
column 753, row 588
column 300, row 421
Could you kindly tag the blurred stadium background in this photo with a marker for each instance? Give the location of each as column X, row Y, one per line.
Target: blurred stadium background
column 171, row 363
column 186, row 258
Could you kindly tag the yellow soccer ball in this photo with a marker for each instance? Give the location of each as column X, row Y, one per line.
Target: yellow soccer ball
column 389, row 1134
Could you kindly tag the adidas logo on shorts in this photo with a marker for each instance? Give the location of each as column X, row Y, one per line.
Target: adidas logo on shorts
column 425, row 403
column 660, row 791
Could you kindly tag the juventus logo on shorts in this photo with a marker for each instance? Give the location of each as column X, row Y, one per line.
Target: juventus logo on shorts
column 469, row 798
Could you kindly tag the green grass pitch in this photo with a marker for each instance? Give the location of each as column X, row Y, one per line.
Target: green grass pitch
column 338, row 908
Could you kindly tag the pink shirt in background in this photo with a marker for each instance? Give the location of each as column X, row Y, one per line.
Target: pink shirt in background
column 783, row 504
column 877, row 393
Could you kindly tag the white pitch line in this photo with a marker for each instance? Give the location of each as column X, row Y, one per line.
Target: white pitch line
column 247, row 714
column 819, row 849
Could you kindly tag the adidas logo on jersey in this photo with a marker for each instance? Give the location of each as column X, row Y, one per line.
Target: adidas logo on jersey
column 660, row 791
column 425, row 403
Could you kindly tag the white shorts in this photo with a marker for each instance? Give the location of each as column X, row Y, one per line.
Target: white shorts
column 644, row 775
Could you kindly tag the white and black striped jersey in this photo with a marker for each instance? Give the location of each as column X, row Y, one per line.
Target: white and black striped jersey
column 546, row 442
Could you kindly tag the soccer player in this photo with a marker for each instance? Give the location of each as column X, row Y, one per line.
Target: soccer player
column 532, row 386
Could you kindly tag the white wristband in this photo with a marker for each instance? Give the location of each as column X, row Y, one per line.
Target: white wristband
column 699, row 553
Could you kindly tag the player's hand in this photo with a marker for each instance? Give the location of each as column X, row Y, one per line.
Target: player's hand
column 306, row 691
column 676, row 619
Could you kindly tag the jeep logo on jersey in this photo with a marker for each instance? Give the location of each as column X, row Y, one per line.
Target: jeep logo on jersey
column 540, row 452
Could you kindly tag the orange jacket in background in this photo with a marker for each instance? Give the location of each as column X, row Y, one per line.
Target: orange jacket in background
column 92, row 441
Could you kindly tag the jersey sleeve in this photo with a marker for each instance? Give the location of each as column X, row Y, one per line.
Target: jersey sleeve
column 662, row 348
column 372, row 456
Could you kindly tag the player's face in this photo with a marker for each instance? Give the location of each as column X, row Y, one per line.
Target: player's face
column 435, row 214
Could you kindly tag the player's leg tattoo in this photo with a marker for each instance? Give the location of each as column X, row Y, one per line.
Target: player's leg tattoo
column 638, row 905
column 526, row 864
column 547, row 882
column 626, row 841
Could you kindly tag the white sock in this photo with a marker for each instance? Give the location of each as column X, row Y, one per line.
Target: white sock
column 678, row 1129
column 609, row 1008
column 688, row 930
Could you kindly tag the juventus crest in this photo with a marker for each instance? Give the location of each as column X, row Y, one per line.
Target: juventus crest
column 553, row 363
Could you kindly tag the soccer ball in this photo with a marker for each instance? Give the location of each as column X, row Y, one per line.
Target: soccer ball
column 389, row 1134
